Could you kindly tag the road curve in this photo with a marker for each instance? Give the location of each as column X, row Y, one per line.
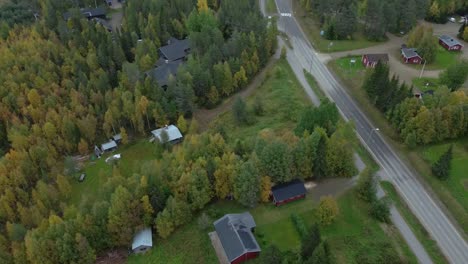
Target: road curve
column 415, row 195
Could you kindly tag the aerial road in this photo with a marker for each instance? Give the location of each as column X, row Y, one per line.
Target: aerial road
column 425, row 207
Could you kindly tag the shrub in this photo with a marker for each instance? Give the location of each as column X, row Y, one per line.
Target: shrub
column 380, row 210
column 328, row 210
column 204, row 221
column 298, row 222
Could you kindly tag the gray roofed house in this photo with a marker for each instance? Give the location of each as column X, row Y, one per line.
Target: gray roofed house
column 89, row 13
column 117, row 138
column 142, row 241
column 175, row 49
column 236, row 237
column 450, row 43
column 410, row 55
column 173, row 133
column 104, row 23
column 161, row 73
column 109, row 146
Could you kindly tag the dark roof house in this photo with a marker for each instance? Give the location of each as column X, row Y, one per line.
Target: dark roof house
column 410, row 55
column 236, row 237
column 175, row 49
column 450, row 43
column 89, row 13
column 288, row 192
column 163, row 71
column 371, row 60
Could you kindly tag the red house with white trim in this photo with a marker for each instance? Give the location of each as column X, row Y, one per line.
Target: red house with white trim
column 450, row 43
column 410, row 56
column 371, row 60
column 288, row 192
column 235, row 232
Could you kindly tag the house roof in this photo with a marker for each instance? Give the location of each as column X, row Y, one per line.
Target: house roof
column 287, row 190
column 117, row 137
column 104, row 23
column 161, row 73
column 88, row 12
column 143, row 238
column 172, row 131
column 450, row 41
column 234, row 232
column 175, row 49
column 108, row 145
column 383, row 57
column 409, row 53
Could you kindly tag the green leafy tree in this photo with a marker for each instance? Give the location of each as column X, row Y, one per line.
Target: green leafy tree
column 327, row 210
column 310, row 242
column 455, row 75
column 240, row 112
column 275, row 161
column 366, row 188
column 380, row 210
column 247, row 184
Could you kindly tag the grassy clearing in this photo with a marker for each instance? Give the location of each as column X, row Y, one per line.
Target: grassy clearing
column 98, row 171
column 353, row 233
column 312, row 29
column 426, row 84
column 429, row 244
column 271, row 6
column 283, row 100
column 413, row 157
column 314, row 85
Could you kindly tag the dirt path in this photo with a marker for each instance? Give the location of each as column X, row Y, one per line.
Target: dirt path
column 205, row 116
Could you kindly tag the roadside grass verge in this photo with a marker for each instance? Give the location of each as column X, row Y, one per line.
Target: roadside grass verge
column 271, row 7
column 314, row 85
column 413, row 158
column 429, row 244
column 312, row 29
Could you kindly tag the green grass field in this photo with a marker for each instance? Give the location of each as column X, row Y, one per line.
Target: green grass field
column 443, row 59
column 425, row 84
column 312, row 29
column 98, row 171
column 352, row 234
column 429, row 244
column 283, row 100
column 457, row 182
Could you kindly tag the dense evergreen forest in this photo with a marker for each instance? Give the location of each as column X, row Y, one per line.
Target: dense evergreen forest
column 67, row 85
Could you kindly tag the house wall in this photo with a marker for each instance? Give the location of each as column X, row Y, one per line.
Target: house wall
column 278, row 203
column 245, row 257
column 141, row 249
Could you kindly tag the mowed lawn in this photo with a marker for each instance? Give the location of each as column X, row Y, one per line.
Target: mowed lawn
column 282, row 98
column 457, row 183
column 98, row 171
column 425, row 83
column 443, row 59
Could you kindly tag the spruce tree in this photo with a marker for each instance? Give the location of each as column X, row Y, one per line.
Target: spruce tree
column 441, row 169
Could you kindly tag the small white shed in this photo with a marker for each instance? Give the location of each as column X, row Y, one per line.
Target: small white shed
column 142, row 241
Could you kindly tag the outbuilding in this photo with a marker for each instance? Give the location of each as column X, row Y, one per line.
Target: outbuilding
column 142, row 241
column 117, row 138
column 450, row 43
column 172, row 132
column 109, row 146
column 371, row 60
column 235, row 233
column 288, row 192
column 410, row 56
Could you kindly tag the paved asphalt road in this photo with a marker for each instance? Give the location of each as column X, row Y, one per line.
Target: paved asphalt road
column 420, row 202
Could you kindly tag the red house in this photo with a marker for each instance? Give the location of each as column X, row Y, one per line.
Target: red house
column 288, row 192
column 410, row 56
column 235, row 232
column 371, row 60
column 450, row 43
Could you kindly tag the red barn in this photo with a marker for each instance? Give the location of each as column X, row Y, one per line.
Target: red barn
column 235, row 232
column 410, row 56
column 371, row 60
column 288, row 192
column 450, row 43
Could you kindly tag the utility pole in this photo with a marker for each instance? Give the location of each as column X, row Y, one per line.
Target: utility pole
column 422, row 70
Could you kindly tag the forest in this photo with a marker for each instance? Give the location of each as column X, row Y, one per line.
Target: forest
column 68, row 85
column 434, row 117
column 340, row 19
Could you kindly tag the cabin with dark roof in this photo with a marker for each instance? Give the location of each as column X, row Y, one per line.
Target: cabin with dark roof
column 410, row 56
column 288, row 192
column 161, row 73
column 235, row 233
column 175, row 49
column 371, row 60
column 450, row 43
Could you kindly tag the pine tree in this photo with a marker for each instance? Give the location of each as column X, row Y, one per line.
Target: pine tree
column 310, row 242
column 441, row 168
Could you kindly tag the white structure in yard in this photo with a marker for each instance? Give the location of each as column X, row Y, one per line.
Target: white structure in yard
column 173, row 134
column 142, row 241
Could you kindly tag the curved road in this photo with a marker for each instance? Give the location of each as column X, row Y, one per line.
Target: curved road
column 420, row 202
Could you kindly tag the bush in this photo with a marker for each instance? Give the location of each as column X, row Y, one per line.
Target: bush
column 380, row 210
column 366, row 187
column 204, row 221
column 298, row 222
column 441, row 169
column 328, row 210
